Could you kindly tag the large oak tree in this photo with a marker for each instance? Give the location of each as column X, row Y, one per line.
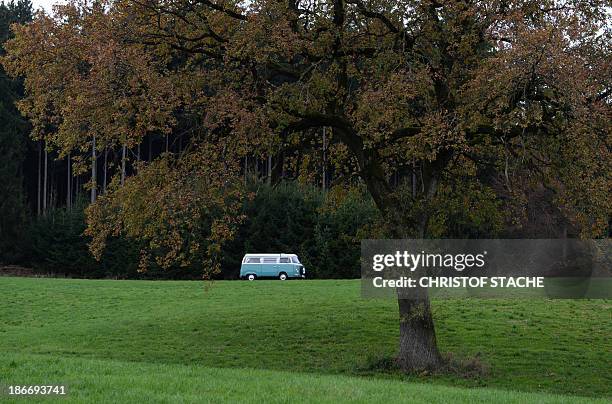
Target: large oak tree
column 456, row 94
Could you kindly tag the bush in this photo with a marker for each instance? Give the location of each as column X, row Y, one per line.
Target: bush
column 57, row 246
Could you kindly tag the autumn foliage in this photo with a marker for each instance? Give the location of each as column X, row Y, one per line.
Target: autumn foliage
column 423, row 100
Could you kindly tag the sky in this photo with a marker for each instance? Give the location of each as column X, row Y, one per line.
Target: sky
column 46, row 4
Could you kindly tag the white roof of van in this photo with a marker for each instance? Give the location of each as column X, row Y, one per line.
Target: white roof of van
column 269, row 255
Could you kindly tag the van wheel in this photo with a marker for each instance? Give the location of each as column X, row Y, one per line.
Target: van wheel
column 251, row 277
column 282, row 276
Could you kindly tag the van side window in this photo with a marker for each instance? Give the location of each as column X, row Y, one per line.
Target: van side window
column 269, row 260
column 295, row 260
column 253, row 261
column 284, row 260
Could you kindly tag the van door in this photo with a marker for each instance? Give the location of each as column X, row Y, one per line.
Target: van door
column 252, row 265
column 269, row 267
column 285, row 265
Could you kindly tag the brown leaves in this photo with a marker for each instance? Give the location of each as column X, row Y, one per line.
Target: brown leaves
column 82, row 78
column 183, row 209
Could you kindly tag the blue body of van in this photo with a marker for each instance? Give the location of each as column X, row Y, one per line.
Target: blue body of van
column 279, row 266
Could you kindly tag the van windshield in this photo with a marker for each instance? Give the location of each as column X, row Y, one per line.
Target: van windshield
column 295, row 260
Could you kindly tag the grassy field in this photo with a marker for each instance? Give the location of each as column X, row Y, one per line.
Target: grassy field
column 316, row 340
column 103, row 381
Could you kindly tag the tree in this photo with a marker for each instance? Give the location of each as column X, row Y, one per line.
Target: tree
column 13, row 137
column 489, row 94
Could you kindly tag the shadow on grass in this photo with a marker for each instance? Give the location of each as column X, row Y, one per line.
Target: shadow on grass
column 465, row 368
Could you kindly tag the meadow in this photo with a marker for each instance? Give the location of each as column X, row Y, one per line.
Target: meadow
column 314, row 340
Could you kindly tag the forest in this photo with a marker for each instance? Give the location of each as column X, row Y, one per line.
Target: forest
column 79, row 128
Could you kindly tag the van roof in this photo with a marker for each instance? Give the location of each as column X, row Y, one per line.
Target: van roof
column 270, row 255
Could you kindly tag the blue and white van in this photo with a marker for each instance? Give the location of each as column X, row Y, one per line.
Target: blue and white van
column 279, row 266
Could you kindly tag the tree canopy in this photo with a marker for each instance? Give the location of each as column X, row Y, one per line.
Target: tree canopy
column 479, row 103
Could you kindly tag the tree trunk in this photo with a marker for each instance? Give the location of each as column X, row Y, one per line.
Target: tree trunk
column 418, row 346
column 324, row 173
column 413, row 180
column 44, row 196
column 123, row 152
column 104, row 178
column 39, row 188
column 418, row 349
column 282, row 164
column 94, row 162
column 68, row 184
column 52, row 187
column 246, row 169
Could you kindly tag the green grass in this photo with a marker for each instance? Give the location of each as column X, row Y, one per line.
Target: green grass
column 180, row 334
column 103, row 381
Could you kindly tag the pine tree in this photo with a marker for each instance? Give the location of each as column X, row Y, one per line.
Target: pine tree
column 13, row 138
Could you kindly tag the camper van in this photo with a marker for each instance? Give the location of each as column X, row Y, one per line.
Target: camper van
column 279, row 266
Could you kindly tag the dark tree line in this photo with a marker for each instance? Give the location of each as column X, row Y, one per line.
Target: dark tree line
column 15, row 147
